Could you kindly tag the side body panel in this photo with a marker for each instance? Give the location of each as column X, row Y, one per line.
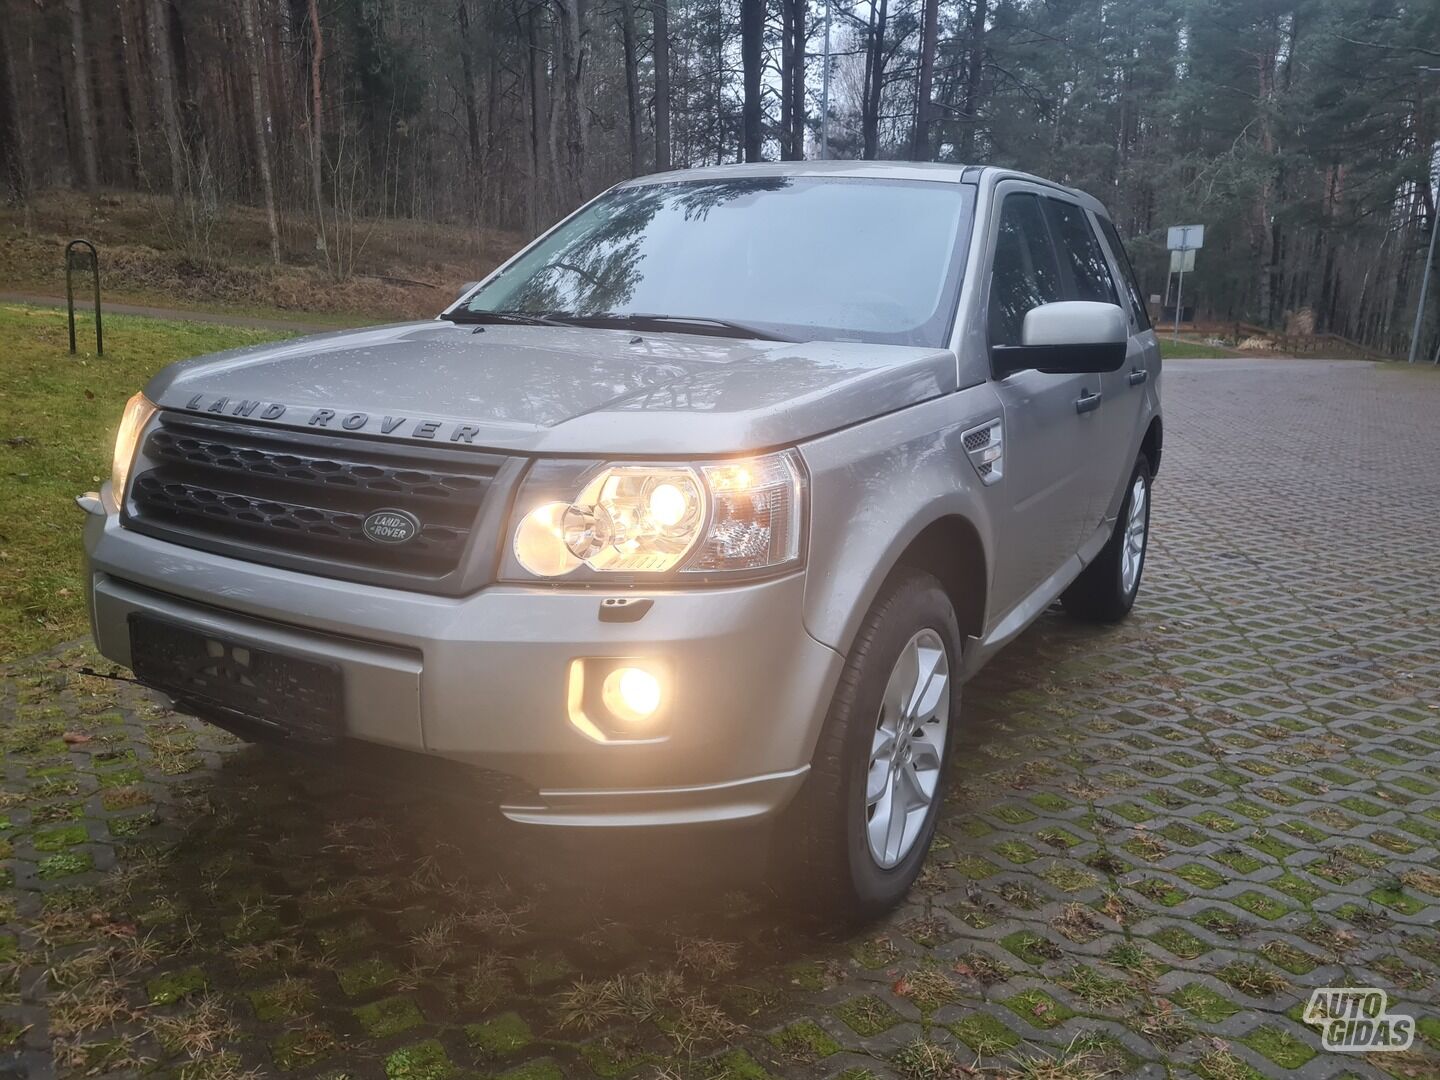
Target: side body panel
column 874, row 489
column 1048, row 480
column 1133, row 393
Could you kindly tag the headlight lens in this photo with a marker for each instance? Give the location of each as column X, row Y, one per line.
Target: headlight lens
column 643, row 520
column 138, row 411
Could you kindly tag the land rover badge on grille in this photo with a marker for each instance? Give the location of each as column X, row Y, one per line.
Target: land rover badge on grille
column 391, row 526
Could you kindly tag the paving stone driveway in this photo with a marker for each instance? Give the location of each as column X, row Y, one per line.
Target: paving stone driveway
column 1158, row 838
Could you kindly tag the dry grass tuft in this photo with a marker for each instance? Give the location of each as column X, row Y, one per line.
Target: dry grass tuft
column 1218, row 1063
column 707, row 957
column 638, row 997
column 89, row 1007
column 1164, row 1025
column 698, row 1022
column 926, row 1060
column 1072, row 1063
column 983, row 969
column 1078, row 923
column 197, row 1032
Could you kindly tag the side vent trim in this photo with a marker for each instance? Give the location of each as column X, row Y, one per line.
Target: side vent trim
column 985, row 447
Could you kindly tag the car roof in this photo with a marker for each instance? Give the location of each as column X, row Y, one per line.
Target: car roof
column 869, row 170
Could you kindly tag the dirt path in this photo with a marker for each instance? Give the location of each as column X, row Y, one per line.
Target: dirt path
column 182, row 315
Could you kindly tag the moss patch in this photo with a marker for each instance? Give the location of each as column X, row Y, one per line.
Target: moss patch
column 298, row 1049
column 420, row 1061
column 1180, row 942
column 804, row 1041
column 867, row 1016
column 505, row 1034
column 366, row 976
column 389, row 1016
column 168, row 989
column 1203, row 1003
column 1039, row 1008
column 984, row 1034
column 1279, row 1046
column 64, row 864
column 1031, row 947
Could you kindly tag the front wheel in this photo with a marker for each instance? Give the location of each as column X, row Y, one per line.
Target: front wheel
column 856, row 838
column 1105, row 591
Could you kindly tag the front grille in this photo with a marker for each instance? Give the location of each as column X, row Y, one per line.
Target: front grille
column 270, row 495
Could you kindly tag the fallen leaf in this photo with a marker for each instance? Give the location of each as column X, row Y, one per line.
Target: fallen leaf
column 75, row 738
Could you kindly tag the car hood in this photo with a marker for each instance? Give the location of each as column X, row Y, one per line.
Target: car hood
column 567, row 390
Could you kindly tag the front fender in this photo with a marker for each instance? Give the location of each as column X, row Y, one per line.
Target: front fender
column 877, row 486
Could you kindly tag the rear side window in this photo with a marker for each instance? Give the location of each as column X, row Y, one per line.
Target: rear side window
column 1025, row 274
column 1127, row 274
column 1080, row 253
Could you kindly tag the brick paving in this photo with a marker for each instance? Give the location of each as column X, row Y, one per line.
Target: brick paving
column 1158, row 838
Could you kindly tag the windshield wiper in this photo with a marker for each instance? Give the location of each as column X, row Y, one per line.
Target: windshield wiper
column 641, row 320
column 467, row 316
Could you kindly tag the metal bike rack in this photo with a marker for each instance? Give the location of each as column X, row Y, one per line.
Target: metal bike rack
column 75, row 258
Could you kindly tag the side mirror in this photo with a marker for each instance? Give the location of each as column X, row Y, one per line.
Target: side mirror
column 1067, row 338
column 466, row 288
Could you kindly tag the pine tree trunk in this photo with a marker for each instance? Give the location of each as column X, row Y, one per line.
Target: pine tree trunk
column 974, row 68
column 467, row 72
column 132, row 90
column 317, row 129
column 752, row 33
column 84, row 106
column 13, row 151
column 930, row 30
column 260, row 110
column 632, row 81
column 661, row 14
column 533, row 69
column 158, row 32
column 874, row 81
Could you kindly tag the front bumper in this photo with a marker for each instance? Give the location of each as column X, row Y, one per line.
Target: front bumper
column 483, row 679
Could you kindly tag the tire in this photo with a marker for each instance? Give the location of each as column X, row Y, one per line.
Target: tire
column 825, row 838
column 1105, row 590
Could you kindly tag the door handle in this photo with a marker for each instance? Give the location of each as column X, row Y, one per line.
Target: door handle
column 1138, row 376
column 1087, row 403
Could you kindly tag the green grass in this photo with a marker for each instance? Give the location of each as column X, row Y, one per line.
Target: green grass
column 1170, row 349
column 58, row 415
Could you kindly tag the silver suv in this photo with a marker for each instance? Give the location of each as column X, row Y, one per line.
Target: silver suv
column 700, row 509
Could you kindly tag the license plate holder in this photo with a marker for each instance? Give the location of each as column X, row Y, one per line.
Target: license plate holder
column 293, row 695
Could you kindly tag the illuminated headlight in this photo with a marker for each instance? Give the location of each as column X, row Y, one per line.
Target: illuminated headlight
column 138, row 411
column 648, row 520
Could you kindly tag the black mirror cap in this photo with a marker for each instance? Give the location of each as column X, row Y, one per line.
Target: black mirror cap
column 1058, row 359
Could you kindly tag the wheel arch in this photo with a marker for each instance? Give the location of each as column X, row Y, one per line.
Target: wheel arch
column 949, row 545
column 950, row 548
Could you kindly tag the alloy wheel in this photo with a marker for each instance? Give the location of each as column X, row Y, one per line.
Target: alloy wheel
column 907, row 749
column 1132, row 555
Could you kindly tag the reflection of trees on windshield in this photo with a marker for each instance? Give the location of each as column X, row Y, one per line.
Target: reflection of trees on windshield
column 598, row 269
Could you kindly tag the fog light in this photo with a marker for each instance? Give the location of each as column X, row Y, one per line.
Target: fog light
column 631, row 694
column 620, row 699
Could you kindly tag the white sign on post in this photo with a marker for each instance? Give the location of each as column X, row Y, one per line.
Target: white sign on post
column 1182, row 261
column 1186, row 237
column 1182, row 241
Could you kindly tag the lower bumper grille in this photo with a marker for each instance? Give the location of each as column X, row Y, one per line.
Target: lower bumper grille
column 297, row 498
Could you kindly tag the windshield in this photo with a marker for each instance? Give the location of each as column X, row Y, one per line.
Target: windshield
column 804, row 258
